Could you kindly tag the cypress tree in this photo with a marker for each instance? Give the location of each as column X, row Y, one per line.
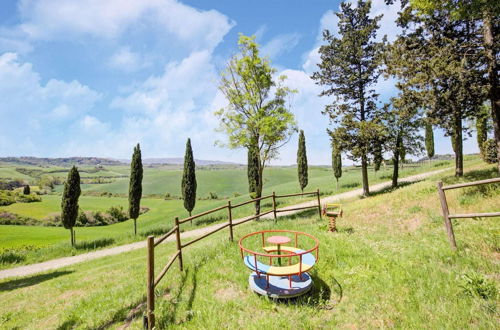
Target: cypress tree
column 189, row 179
column 302, row 161
column 482, row 129
column 336, row 163
column 135, row 186
column 377, row 156
column 429, row 140
column 253, row 169
column 69, row 202
column 26, row 189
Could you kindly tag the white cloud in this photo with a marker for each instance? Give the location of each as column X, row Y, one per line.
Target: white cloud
column 65, row 19
column 280, row 44
column 126, row 60
column 32, row 107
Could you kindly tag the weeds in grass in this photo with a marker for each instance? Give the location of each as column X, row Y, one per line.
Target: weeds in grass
column 155, row 231
column 475, row 285
column 95, row 244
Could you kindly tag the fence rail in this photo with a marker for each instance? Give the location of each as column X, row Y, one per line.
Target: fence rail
column 152, row 282
column 446, row 212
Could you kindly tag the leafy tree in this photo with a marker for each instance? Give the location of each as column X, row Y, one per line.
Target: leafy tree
column 189, row 179
column 302, row 161
column 487, row 47
column 257, row 115
column 135, row 186
column 428, row 58
column 350, row 67
column 336, row 163
column 69, row 202
column 26, row 189
column 429, row 140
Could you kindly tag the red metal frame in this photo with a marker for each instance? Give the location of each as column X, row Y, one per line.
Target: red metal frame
column 271, row 256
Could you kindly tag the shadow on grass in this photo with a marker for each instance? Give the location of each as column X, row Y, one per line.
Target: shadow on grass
column 29, row 281
column 322, row 295
column 473, row 175
column 155, row 231
column 391, row 189
column 95, row 244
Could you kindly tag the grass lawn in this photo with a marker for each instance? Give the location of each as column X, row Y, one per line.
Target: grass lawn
column 35, row 243
column 390, row 265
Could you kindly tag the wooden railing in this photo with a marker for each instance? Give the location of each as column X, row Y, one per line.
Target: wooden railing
column 446, row 213
column 152, row 282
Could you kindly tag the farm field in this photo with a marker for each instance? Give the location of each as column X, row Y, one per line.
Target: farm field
column 36, row 243
column 390, row 265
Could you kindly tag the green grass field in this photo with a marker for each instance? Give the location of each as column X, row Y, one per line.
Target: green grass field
column 37, row 243
column 389, row 266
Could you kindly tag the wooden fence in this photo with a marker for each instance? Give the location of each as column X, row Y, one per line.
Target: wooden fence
column 446, row 214
column 152, row 282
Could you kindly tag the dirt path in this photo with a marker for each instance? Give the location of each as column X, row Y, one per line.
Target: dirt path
column 68, row 261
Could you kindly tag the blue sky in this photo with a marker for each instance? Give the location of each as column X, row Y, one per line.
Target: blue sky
column 93, row 77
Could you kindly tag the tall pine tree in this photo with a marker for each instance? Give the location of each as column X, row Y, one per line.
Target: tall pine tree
column 69, row 202
column 135, row 186
column 482, row 129
column 189, row 179
column 429, row 140
column 302, row 161
column 350, row 67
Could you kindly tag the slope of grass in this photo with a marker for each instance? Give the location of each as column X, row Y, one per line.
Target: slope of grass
column 37, row 244
column 390, row 265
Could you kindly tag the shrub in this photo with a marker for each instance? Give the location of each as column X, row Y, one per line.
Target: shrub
column 117, row 214
column 489, row 151
column 28, row 198
column 212, row 195
column 6, row 198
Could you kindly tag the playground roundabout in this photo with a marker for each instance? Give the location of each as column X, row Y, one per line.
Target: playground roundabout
column 280, row 261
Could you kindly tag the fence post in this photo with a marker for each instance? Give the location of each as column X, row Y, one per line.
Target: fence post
column 447, row 222
column 151, row 283
column 319, row 204
column 274, row 206
column 230, row 220
column 178, row 240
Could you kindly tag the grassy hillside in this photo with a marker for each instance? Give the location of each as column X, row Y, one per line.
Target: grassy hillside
column 390, row 265
column 34, row 244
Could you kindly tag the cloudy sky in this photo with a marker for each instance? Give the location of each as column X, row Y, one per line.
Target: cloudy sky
column 93, row 77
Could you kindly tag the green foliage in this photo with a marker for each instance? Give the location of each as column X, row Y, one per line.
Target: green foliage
column 302, row 161
column 429, row 140
column 135, row 185
column 350, row 67
column 475, row 285
column 378, row 156
column 482, row 128
column 26, row 189
column 253, row 172
column 69, row 203
column 336, row 162
column 257, row 115
column 189, row 179
column 490, row 151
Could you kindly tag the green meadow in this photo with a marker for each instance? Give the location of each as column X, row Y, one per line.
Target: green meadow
column 29, row 244
column 389, row 266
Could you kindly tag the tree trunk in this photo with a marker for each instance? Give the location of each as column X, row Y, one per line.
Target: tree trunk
column 494, row 90
column 71, row 237
column 259, row 189
column 364, row 172
column 395, row 160
column 135, row 226
column 459, row 154
column 337, row 183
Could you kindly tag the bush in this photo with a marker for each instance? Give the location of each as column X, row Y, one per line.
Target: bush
column 117, row 214
column 212, row 195
column 28, row 198
column 489, row 151
column 7, row 198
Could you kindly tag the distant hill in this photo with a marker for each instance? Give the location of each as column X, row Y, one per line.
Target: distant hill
column 93, row 161
column 36, row 161
column 178, row 161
